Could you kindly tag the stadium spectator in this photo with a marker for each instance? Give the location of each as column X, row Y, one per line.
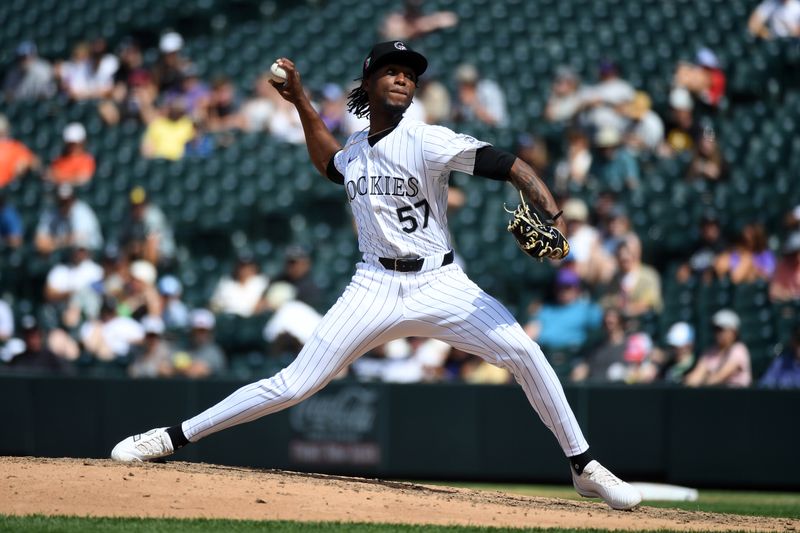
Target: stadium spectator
column 710, row 244
column 592, row 264
column 243, row 293
column 32, row 354
column 614, row 167
column 257, row 110
column 68, row 278
column 222, row 109
column 15, row 157
column 636, row 365
column 595, row 365
column 297, row 272
column 478, row 99
column 6, row 321
column 70, row 222
column 89, row 74
column 435, row 100
column 153, row 358
column 10, row 224
column 168, row 72
column 616, row 230
column 146, row 232
column 202, row 143
column 571, row 172
column 111, row 336
column 775, row 19
column 749, row 259
column 75, row 165
column 645, row 129
column 166, row 136
column 636, row 288
column 192, row 92
column 565, row 98
column 30, row 77
column 784, row 371
column 785, row 283
column 533, row 150
column 728, row 361
column 671, row 364
column 704, row 78
column 293, row 322
column 568, row 322
column 284, row 124
column 203, row 357
column 411, row 23
column 133, row 89
column 175, row 313
column 682, row 129
column 139, row 296
column 601, row 102
column 333, row 108
column 116, row 271
column 707, row 162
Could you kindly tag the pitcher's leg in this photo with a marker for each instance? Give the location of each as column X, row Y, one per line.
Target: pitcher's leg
column 460, row 313
column 361, row 319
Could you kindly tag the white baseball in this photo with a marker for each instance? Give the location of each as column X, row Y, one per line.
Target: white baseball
column 277, row 74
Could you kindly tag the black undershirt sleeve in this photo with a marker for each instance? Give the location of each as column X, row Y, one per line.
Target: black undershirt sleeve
column 493, row 163
column 333, row 173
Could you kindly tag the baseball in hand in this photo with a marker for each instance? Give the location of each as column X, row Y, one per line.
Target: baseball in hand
column 277, row 74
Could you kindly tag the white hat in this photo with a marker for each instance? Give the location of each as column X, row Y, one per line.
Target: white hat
column 153, row 324
column 679, row 98
column 170, row 42
column 202, row 319
column 726, row 319
column 144, row 271
column 707, row 58
column 607, row 137
column 575, row 209
column 74, row 132
column 680, row 334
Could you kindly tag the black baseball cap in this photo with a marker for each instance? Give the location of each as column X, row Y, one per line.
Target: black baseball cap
column 394, row 52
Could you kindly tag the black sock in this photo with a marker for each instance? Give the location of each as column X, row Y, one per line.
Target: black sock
column 579, row 462
column 177, row 437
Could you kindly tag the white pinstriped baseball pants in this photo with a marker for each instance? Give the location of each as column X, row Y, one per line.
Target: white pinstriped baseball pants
column 380, row 305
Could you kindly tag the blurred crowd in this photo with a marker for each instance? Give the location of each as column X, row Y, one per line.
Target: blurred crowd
column 112, row 294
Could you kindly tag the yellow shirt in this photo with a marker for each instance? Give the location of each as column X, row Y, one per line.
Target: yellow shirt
column 167, row 138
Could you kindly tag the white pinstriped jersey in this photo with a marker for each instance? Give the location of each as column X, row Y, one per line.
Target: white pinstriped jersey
column 397, row 188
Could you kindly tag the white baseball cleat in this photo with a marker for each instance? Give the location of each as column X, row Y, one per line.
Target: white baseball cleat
column 597, row 481
column 144, row 447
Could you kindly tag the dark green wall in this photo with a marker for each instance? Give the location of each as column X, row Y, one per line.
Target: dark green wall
column 711, row 437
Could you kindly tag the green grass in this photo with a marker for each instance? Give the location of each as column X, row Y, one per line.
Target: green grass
column 63, row 524
column 756, row 503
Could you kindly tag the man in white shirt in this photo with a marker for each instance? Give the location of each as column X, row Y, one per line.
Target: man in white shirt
column 776, row 18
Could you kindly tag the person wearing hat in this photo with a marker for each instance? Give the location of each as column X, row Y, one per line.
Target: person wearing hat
column 478, row 99
column 704, row 78
column 140, row 297
column 168, row 72
column 15, row 158
column 645, row 129
column 167, row 134
column 592, row 264
column 636, row 287
column 297, row 272
column 570, row 321
column 726, row 363
column 75, row 166
column 146, row 232
column 203, row 357
column 31, row 355
column 614, row 167
column 784, row 371
column 70, row 222
column 565, row 96
column 785, row 283
column 683, row 131
column 30, row 77
column 242, row 293
column 176, row 314
column 153, row 357
column 678, row 358
column 395, row 175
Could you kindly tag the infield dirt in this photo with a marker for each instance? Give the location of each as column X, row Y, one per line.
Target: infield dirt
column 89, row 487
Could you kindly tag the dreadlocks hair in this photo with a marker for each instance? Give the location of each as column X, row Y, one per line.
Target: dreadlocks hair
column 358, row 102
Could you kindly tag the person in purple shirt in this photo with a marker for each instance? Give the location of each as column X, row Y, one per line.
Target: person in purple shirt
column 784, row 372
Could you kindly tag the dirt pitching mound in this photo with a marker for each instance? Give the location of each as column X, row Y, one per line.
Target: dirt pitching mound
column 187, row 490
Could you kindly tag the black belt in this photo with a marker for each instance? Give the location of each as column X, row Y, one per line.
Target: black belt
column 411, row 265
